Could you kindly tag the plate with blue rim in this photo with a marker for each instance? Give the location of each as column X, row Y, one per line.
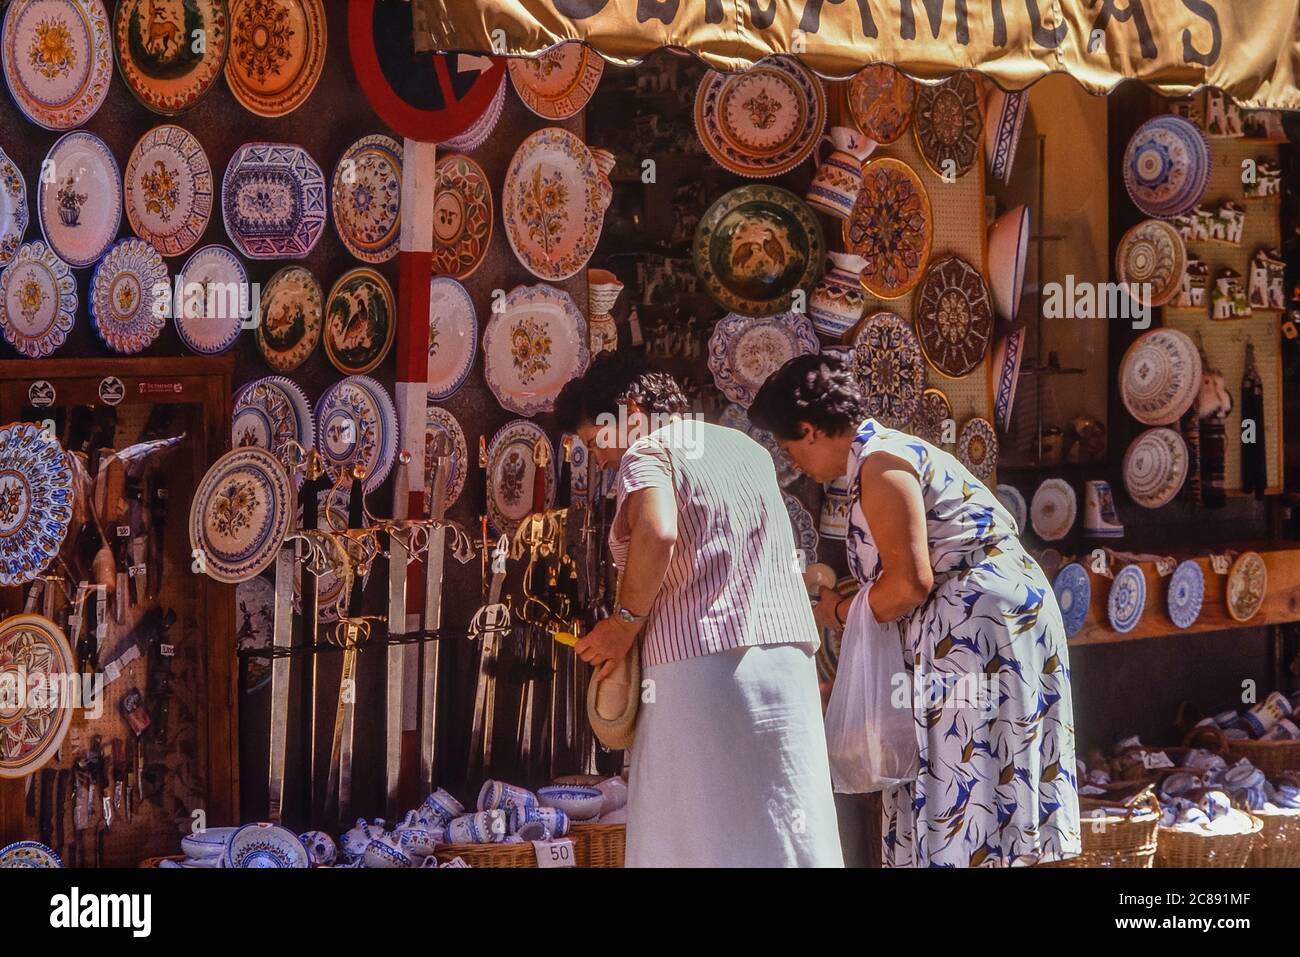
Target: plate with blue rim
column 1186, row 593
column 1127, row 598
column 1073, row 591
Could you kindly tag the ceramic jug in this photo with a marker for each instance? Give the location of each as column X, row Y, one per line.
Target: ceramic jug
column 838, row 179
column 837, row 302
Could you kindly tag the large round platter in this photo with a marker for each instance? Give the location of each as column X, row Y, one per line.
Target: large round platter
column 744, row 351
column 161, row 65
column 890, row 227
column 1167, row 166
column 35, row 501
column 168, row 187
column 1155, row 467
column 440, row 420
column 241, row 513
column 954, row 317
column 367, row 198
column 755, row 246
column 977, row 447
column 1160, row 376
column 1186, row 594
column 214, row 300
column 80, row 209
column 803, row 526
column 532, row 347
column 1010, row 498
column 130, row 296
column 265, row 846
column 1053, row 509
column 557, row 84
column 359, row 321
column 38, row 301
column 290, row 317
column 356, row 424
column 1247, row 586
column 553, row 204
column 1073, row 590
column 1127, row 599
column 254, row 622
column 277, row 52
column 272, row 413
column 932, row 411
column 510, row 474
column 453, row 336
column 948, row 123
column 34, row 653
column 735, row 417
column 462, row 216
column 762, row 122
column 881, row 100
column 29, row 854
column 273, row 201
column 58, row 60
column 1151, row 255
column 886, row 360
column 14, row 215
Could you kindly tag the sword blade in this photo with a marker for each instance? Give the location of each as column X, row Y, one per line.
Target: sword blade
column 281, row 639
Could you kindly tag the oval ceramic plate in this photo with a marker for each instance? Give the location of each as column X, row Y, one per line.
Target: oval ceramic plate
column 803, row 526
column 1073, row 591
column 462, row 216
column 161, row 65
column 1053, row 510
column 58, row 60
column 558, row 83
column 272, row 413
column 359, row 321
column 954, row 317
column 1186, row 594
column 265, row 845
column 735, row 417
column 510, row 474
column 744, row 351
column 273, row 201
column 881, row 100
column 129, row 296
column 1160, row 376
column 1167, row 166
column 948, row 123
column 453, row 336
column 29, row 854
column 1011, row 499
column 1151, row 258
column 356, row 424
column 277, row 53
column 241, row 513
column 1127, row 598
column 890, row 227
column 168, row 188
column 977, row 448
column 1247, row 586
column 13, row 208
column 38, row 301
column 1155, row 467
column 932, row 412
column 254, row 624
column 367, row 198
column 440, row 420
column 755, row 246
column 532, row 347
column 291, row 313
column 81, row 208
column 886, row 360
column 214, row 300
column 35, row 501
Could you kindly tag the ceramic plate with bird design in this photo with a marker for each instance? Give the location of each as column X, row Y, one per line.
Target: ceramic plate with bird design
column 359, row 321
column 290, row 317
column 241, row 513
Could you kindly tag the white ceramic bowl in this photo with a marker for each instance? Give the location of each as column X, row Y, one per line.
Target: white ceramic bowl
column 209, row 843
column 1008, row 247
column 579, row 803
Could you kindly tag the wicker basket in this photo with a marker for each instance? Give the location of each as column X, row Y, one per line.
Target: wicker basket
column 1185, row 848
column 1271, row 757
column 1278, row 842
column 1113, row 840
column 605, row 844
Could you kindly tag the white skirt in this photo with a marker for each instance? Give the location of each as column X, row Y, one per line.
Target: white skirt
column 729, row 767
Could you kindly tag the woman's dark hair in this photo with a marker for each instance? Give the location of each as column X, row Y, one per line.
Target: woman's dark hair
column 610, row 381
column 818, row 389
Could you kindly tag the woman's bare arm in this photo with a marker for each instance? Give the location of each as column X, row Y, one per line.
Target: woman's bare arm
column 894, row 508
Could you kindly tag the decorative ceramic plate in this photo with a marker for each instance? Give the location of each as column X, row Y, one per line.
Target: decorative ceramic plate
column 130, row 296
column 254, row 624
column 1155, row 467
column 881, row 100
column 1011, row 499
column 273, row 200
column 271, row 413
column 35, row 501
column 33, row 650
column 1053, row 510
column 277, row 52
column 215, row 300
column 557, row 84
column 532, row 347
column 58, row 60
column 440, row 420
column 360, row 318
column 510, row 474
column 265, row 845
column 803, row 526
column 1186, row 593
column 887, row 361
column 948, row 123
column 462, row 216
column 38, row 301
column 367, row 198
column 744, row 351
column 291, row 314
column 755, row 246
column 1160, row 376
column 890, row 227
column 762, row 122
column 977, row 447
column 453, row 336
column 932, row 412
column 1073, row 591
column 356, row 424
column 1152, row 257
column 553, row 203
column 156, row 54
column 480, row 129
column 1247, row 586
column 954, row 317
column 168, row 188
column 1127, row 598
column 29, row 854
column 241, row 513
column 13, row 208
column 735, row 417
column 81, row 209
column 1167, row 166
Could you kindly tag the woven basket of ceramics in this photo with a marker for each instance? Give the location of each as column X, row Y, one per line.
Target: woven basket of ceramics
column 1179, row 847
column 1116, row 840
column 605, row 844
column 1278, row 842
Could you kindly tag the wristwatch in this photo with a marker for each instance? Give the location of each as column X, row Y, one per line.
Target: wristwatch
column 629, row 617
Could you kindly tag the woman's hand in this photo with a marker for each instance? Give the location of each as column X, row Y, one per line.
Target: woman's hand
column 606, row 645
column 825, row 612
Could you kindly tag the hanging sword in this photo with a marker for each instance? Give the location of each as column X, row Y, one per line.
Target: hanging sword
column 338, row 787
column 433, row 570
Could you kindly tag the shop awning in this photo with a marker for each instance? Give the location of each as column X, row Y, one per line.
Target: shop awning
column 1247, row 48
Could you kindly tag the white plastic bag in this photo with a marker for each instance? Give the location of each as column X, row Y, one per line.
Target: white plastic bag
column 872, row 742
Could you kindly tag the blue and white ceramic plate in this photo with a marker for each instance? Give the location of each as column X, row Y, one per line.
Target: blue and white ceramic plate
column 453, row 336
column 35, row 501
column 13, row 208
column 744, row 351
column 271, row 413
column 273, row 201
column 533, row 346
column 440, row 420
column 130, row 296
column 265, row 846
column 80, row 206
column 1014, row 503
column 169, row 188
column 1127, row 598
column 214, row 298
column 356, row 424
column 1186, row 592
column 58, row 60
column 38, row 301
column 1073, row 591
column 735, row 417
column 1167, row 166
column 510, row 474
column 241, row 513
column 28, row 854
column 803, row 526
column 367, row 198
column 207, row 844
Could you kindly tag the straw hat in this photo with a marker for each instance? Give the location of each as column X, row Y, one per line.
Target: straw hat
column 613, row 701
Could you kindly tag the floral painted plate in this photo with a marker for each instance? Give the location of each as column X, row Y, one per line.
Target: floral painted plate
column 356, row 424
column 273, row 201
column 932, row 412
column 1167, row 166
column 214, row 300
column 453, row 336
column 277, row 53
column 367, row 198
column 1053, row 510
column 272, row 413
column 38, row 301
column 890, row 227
column 1011, row 499
column 803, row 526
column 129, row 296
column 14, row 215
column 557, row 84
column 29, row 853
column 1186, row 594
column 1160, row 376
column 161, row 65
column 58, row 60
column 1247, row 586
column 1127, row 599
column 360, row 319
column 954, row 317
column 948, row 124
column 440, row 420
column 745, row 350
column 532, row 347
column 886, row 359
column 462, row 216
column 1151, row 258
column 168, row 187
column 35, row 501
column 735, row 417
column 1073, row 590
column 510, row 473
column 241, row 513
column 977, row 448
column 265, row 845
column 1155, row 467
column 81, row 208
column 290, row 317
column 254, row 624
column 881, row 100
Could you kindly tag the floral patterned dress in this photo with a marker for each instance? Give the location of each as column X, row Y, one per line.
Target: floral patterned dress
column 990, row 680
